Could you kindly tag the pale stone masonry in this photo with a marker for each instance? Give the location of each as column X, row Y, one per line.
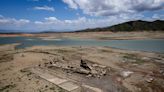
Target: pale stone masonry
column 63, row 83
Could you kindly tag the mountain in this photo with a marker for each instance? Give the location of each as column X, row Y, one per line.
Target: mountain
column 138, row 25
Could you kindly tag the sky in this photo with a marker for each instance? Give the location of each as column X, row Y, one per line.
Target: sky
column 68, row 15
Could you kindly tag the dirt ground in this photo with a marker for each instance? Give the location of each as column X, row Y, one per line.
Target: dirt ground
column 100, row 69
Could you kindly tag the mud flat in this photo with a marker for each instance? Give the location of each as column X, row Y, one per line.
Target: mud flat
column 96, row 35
column 79, row 69
column 107, row 35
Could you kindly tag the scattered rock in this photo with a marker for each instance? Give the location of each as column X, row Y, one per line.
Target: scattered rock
column 70, row 67
column 94, row 72
column 145, row 58
column 46, row 86
column 102, row 66
column 118, row 79
column 50, row 62
column 134, row 64
column 126, row 74
column 63, row 58
column 89, row 75
column 57, row 65
column 95, row 65
column 104, row 72
column 22, row 55
column 82, row 71
column 149, row 79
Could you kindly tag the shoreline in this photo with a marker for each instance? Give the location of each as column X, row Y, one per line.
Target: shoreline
column 96, row 35
column 23, row 45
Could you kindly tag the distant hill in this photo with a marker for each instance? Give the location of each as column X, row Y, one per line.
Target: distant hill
column 137, row 25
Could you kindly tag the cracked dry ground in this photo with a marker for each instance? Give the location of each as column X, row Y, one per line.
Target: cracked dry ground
column 102, row 69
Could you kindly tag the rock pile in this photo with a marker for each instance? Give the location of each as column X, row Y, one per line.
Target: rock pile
column 86, row 67
column 95, row 70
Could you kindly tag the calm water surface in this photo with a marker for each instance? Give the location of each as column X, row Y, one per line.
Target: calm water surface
column 152, row 45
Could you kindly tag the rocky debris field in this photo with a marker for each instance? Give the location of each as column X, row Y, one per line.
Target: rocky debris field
column 85, row 67
column 101, row 69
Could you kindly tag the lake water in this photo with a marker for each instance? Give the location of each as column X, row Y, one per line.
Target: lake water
column 152, row 45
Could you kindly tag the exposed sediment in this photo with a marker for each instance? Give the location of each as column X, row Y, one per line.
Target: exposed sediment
column 90, row 68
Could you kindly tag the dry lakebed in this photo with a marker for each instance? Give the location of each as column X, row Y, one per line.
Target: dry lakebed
column 26, row 65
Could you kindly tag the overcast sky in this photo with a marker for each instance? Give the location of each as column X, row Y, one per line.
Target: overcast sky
column 63, row 15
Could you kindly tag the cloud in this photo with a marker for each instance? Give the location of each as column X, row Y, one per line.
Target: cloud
column 51, row 19
column 71, row 3
column 158, row 16
column 72, row 24
column 55, row 21
column 83, row 22
column 46, row 8
column 13, row 21
column 38, row 22
column 114, row 7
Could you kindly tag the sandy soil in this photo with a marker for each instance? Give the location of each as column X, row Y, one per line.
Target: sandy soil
column 104, row 68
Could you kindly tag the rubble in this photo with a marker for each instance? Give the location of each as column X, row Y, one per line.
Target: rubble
column 96, row 70
column 86, row 67
column 82, row 71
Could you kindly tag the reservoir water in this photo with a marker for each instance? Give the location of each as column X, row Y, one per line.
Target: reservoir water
column 151, row 45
